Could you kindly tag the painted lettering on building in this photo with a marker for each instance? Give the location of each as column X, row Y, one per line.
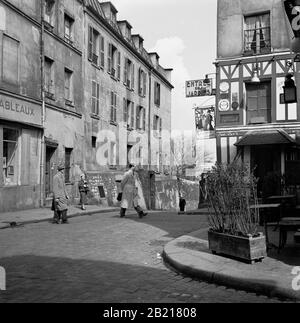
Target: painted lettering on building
column 15, row 107
column 19, row 110
column 198, row 88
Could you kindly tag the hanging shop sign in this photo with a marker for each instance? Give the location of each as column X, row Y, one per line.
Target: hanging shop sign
column 199, row 88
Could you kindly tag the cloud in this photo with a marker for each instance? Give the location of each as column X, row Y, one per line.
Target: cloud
column 171, row 52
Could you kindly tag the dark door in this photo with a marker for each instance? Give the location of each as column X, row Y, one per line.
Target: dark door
column 50, row 151
column 259, row 103
column 266, row 162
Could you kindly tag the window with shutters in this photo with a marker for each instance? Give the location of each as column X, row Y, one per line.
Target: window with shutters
column 132, row 116
column 49, row 78
column 69, row 21
column 129, row 79
column 102, row 51
column 142, row 83
column 68, row 87
column 140, row 118
column 129, row 114
column 10, row 60
column 125, row 111
column 94, row 48
column 113, row 108
column 49, row 12
column 157, row 126
column 157, row 94
column 257, row 34
column 114, row 62
column 95, row 98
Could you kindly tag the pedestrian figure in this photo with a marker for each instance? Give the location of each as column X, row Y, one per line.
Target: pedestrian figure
column 60, row 195
column 56, row 218
column 136, row 204
column 182, row 204
column 83, row 190
column 128, row 188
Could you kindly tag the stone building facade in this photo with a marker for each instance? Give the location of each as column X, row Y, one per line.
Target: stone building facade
column 76, row 87
column 21, row 128
column 253, row 123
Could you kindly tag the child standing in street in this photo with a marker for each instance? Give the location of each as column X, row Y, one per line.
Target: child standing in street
column 83, row 189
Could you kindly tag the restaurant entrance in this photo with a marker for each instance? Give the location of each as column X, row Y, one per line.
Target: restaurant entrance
column 266, row 163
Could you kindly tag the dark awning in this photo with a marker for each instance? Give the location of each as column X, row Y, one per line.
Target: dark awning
column 265, row 137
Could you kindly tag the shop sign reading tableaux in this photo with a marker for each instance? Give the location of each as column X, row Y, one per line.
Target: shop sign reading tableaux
column 19, row 110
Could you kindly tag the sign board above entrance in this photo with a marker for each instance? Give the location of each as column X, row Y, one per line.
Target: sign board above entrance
column 17, row 110
column 199, row 88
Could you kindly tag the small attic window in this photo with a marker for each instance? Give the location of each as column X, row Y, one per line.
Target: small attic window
column 127, row 33
column 113, row 16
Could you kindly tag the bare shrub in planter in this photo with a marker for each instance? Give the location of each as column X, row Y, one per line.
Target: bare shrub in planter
column 231, row 189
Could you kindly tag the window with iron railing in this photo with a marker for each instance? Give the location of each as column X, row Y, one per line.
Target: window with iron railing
column 257, row 34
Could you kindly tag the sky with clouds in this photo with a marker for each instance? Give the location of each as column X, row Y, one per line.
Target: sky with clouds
column 184, row 35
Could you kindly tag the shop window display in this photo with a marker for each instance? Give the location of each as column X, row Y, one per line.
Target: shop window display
column 10, row 156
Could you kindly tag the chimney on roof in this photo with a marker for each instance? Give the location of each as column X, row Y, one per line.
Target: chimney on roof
column 154, row 59
column 138, row 41
column 125, row 27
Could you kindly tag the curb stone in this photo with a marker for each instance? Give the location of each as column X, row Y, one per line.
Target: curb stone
column 226, row 276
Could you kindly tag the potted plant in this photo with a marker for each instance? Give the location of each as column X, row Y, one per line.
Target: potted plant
column 231, row 190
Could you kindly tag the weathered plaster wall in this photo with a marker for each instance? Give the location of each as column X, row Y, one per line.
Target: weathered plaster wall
column 28, row 35
column 167, row 194
column 19, row 198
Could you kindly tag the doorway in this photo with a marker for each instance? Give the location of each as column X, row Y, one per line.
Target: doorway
column 50, row 152
column 266, row 163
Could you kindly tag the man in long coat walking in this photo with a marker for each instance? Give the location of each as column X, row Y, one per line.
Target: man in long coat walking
column 60, row 195
column 128, row 187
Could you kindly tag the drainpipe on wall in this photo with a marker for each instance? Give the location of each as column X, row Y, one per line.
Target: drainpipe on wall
column 149, row 121
column 42, row 157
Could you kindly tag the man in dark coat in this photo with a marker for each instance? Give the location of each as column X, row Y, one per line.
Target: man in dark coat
column 60, row 195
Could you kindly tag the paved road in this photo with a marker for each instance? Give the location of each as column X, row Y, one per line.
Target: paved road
column 103, row 258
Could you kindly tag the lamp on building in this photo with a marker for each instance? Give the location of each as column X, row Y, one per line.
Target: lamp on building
column 255, row 78
column 289, row 90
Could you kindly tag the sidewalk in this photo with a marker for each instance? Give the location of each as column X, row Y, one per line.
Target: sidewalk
column 273, row 276
column 45, row 214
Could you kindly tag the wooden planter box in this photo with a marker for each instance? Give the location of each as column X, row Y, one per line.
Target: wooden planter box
column 247, row 249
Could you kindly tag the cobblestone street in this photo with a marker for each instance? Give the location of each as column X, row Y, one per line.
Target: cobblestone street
column 103, row 258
